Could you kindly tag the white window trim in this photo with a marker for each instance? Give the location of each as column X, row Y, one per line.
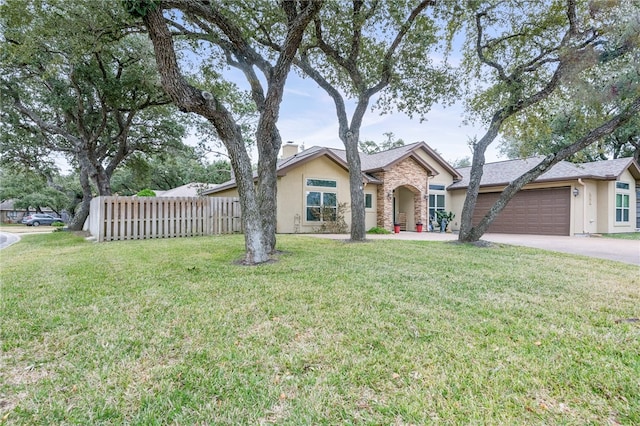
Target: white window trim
column 623, row 192
column 365, row 201
column 435, row 193
column 322, row 190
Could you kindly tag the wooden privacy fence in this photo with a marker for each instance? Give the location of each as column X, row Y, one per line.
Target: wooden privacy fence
column 135, row 218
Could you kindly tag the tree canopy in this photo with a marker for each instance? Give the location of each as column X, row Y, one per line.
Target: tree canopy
column 371, row 147
column 29, row 190
column 167, row 170
column 520, row 54
column 82, row 81
column 227, row 31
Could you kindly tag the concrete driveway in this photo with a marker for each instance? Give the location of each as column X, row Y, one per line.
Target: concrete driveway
column 627, row 251
column 6, row 239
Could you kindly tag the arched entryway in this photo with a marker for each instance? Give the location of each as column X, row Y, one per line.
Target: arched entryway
column 408, row 207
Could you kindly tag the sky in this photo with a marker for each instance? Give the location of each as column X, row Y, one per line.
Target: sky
column 308, row 118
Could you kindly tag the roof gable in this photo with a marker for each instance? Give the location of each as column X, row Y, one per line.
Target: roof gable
column 370, row 163
column 309, row 155
column 612, row 169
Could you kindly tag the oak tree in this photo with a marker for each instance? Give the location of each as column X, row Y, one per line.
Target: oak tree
column 80, row 77
column 520, row 53
column 227, row 30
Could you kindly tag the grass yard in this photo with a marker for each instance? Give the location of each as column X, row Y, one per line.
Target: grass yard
column 624, row 236
column 386, row 332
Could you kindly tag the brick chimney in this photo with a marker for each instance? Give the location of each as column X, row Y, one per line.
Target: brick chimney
column 289, row 149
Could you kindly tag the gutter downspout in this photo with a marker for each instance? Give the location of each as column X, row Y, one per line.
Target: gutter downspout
column 584, row 206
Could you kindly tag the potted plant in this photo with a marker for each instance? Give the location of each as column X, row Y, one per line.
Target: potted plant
column 419, row 226
column 444, row 218
column 396, row 228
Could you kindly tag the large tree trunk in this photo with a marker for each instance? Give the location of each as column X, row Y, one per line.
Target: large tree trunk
column 268, row 136
column 256, row 251
column 189, row 98
column 467, row 232
column 358, row 226
column 82, row 212
column 102, row 181
column 267, row 189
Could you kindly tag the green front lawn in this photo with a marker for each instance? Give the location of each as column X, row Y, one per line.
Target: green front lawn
column 387, row 332
column 624, row 236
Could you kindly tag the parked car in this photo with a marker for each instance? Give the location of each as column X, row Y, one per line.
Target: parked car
column 38, row 219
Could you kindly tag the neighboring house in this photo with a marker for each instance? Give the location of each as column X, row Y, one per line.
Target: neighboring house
column 10, row 214
column 406, row 185
column 193, row 189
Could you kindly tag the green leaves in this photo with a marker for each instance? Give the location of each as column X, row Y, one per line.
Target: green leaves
column 140, row 8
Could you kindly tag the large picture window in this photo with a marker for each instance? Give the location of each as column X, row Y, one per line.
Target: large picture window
column 321, row 205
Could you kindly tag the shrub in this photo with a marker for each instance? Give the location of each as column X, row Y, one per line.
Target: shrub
column 378, row 230
column 146, row 193
column 333, row 220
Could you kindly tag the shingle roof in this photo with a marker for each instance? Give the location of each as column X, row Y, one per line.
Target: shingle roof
column 369, row 162
column 384, row 159
column 193, row 189
column 503, row 172
column 610, row 168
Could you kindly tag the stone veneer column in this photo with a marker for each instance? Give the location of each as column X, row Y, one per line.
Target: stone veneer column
column 406, row 173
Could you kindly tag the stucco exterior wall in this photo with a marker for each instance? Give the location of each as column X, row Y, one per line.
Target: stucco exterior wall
column 442, row 173
column 456, row 202
column 233, row 192
column 292, row 194
column 607, row 205
column 584, row 209
column 603, row 206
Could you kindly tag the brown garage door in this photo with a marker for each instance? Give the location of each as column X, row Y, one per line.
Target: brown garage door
column 536, row 211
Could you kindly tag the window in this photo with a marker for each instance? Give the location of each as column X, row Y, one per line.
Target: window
column 622, row 207
column 321, row 205
column 436, row 187
column 622, row 185
column 622, row 202
column 322, row 182
column 436, row 203
column 368, row 201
